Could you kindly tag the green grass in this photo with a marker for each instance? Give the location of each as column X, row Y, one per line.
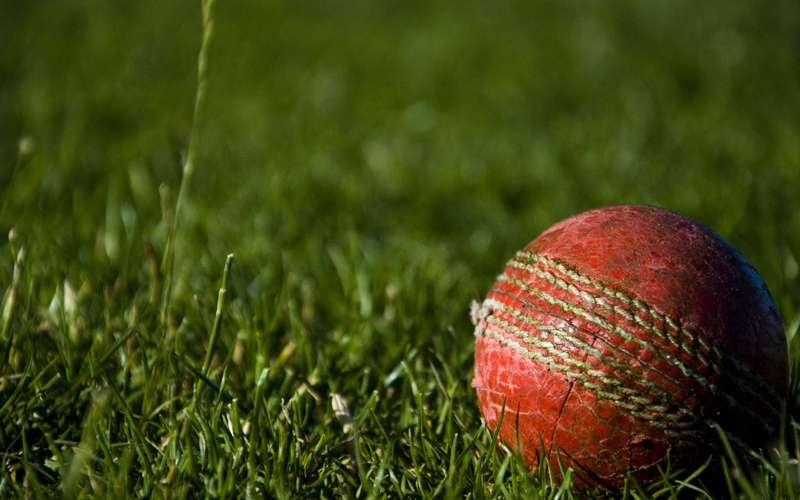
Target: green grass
column 372, row 166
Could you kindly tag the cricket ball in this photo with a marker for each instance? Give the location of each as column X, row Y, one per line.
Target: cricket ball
column 623, row 335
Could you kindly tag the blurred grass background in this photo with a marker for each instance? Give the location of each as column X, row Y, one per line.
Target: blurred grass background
column 372, row 164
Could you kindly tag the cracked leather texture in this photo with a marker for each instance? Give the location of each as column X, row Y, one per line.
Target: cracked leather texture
column 624, row 333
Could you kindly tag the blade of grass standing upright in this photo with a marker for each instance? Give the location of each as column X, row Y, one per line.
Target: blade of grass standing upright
column 191, row 157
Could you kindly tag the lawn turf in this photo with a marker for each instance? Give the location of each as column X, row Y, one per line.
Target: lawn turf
column 371, row 166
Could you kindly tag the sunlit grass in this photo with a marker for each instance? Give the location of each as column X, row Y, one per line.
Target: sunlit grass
column 371, row 167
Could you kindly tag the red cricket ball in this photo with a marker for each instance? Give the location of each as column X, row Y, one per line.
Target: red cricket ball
column 625, row 333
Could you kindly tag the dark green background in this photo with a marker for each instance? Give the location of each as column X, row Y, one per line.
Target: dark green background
column 474, row 125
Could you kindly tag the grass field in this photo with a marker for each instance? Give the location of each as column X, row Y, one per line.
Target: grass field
column 371, row 166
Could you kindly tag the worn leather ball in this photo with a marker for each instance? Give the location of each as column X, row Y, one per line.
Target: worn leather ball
column 625, row 334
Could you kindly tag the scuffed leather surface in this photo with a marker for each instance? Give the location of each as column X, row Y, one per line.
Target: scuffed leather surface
column 662, row 267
